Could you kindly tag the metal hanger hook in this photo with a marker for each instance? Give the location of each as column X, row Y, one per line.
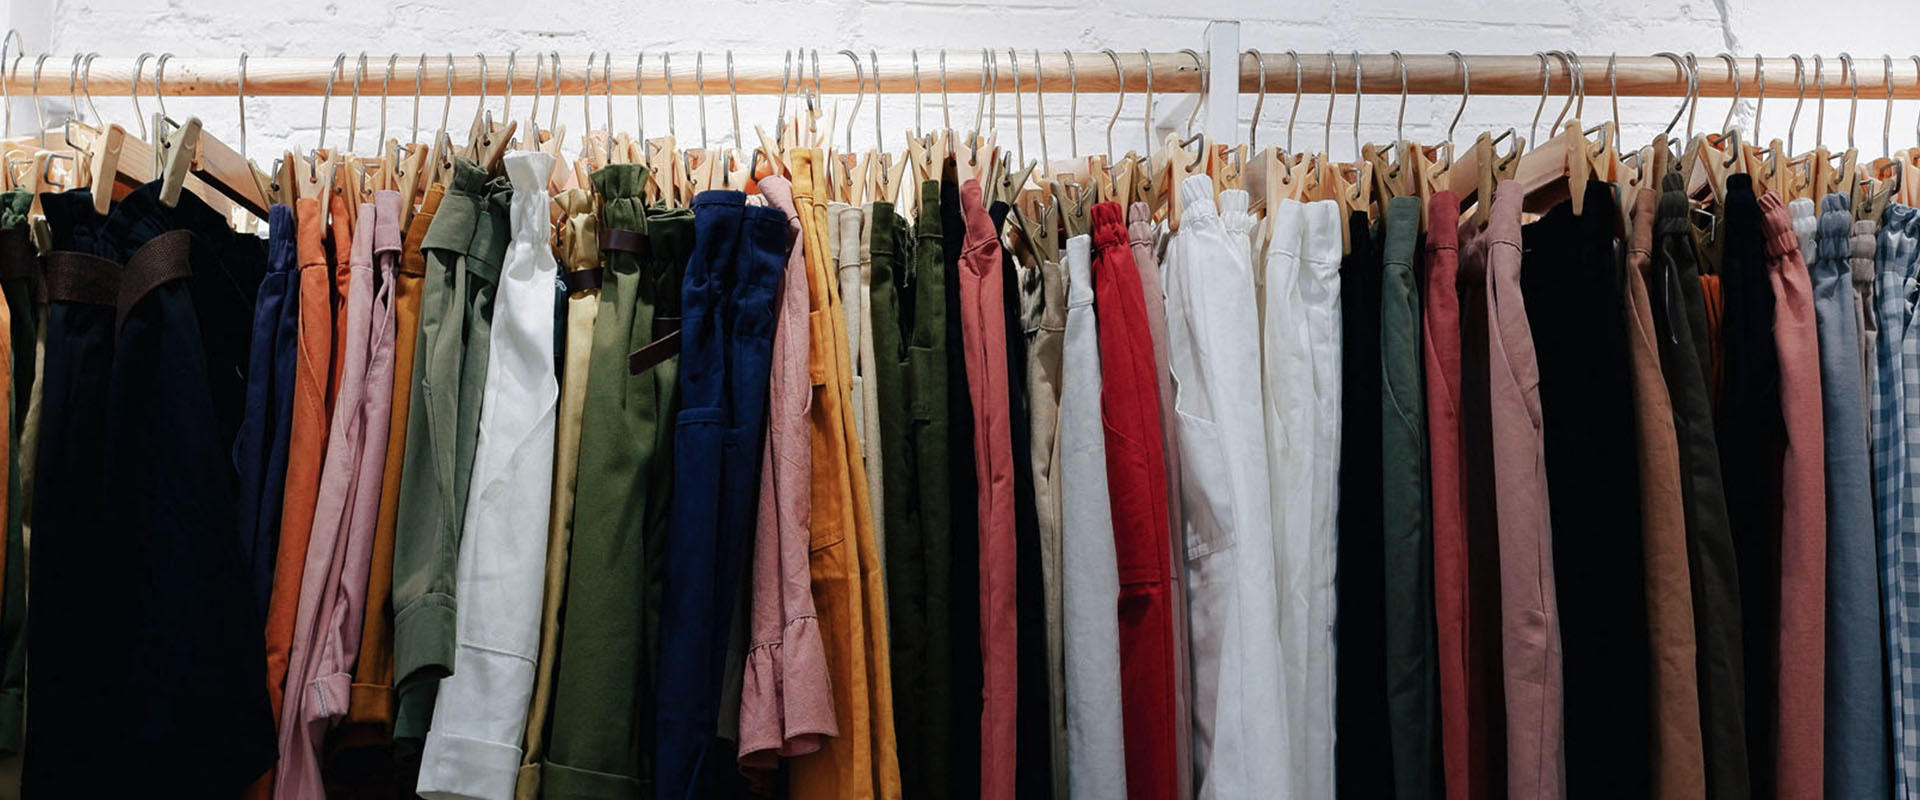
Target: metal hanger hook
column 586, row 96
column 733, row 102
column 1853, row 94
column 506, row 108
column 1358, row 95
column 553, row 114
column 1146, row 117
column 419, row 73
column 446, row 105
column 1293, row 115
column 1260, row 99
column 240, row 96
column 918, row 129
column 353, row 108
column 700, row 92
column 386, row 81
column 1466, row 93
column 13, row 69
column 1733, row 68
column 1073, row 107
column 1820, row 103
column 1886, row 120
column 666, row 72
column 480, row 108
column 1120, row 86
column 1400, row 120
column 159, row 83
column 1199, row 66
column 1040, row 104
column 539, row 86
column 326, row 99
column 133, row 94
column 1019, row 109
column 1546, row 91
column 86, row 73
column 859, row 94
column 1682, row 67
column 606, row 90
column 39, row 114
column 1333, row 75
column 1613, row 88
column 1800, row 97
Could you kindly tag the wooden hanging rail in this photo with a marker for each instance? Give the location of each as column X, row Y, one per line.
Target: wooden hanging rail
column 1176, row 72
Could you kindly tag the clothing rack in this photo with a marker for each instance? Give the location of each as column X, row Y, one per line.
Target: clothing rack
column 1172, row 72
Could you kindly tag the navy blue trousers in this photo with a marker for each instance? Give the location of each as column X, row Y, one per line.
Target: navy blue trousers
column 260, row 447
column 726, row 343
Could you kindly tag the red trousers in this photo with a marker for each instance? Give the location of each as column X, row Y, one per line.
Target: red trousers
column 1137, row 485
column 983, row 331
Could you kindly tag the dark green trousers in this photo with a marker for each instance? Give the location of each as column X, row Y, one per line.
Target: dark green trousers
column 919, row 581
column 600, row 739
column 463, row 249
column 1413, row 679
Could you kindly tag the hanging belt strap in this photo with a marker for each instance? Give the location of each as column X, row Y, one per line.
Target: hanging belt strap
column 624, row 241
column 665, row 345
column 581, row 280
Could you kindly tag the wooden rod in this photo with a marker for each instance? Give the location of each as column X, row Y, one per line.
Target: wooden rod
column 1091, row 72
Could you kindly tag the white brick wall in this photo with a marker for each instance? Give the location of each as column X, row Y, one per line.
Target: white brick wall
column 226, row 27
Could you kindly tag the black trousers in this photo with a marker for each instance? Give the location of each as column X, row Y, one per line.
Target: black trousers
column 145, row 644
column 1752, row 438
column 1361, row 752
column 1572, row 281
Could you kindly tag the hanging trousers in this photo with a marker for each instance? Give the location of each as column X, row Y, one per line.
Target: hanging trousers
column 1136, row 475
column 1143, row 235
column 1855, row 699
column 577, row 246
column 456, row 309
column 1802, row 551
column 608, row 635
column 1462, row 754
column 1678, row 767
column 1710, row 553
column 1096, row 741
column 786, row 703
column 473, row 748
column 1034, row 771
column 1896, row 445
column 1570, row 276
column 306, row 451
column 1362, row 758
column 962, row 558
column 919, row 584
column 1211, row 315
column 20, row 274
column 861, row 762
column 334, row 581
column 983, row 322
column 726, row 342
column 260, row 451
column 1412, row 680
column 1529, row 614
column 1751, row 437
column 143, row 615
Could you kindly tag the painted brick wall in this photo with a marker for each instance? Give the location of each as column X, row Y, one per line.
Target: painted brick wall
column 893, row 27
